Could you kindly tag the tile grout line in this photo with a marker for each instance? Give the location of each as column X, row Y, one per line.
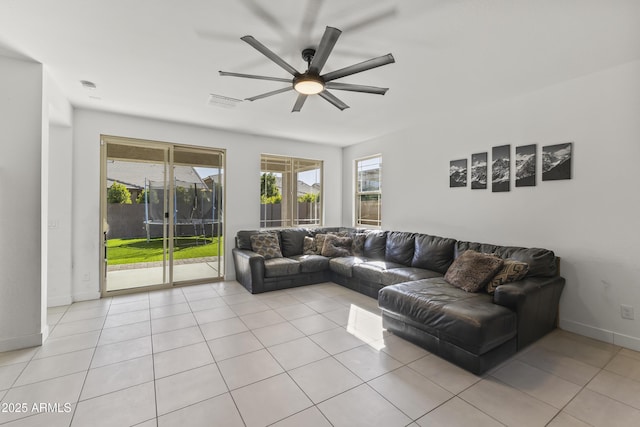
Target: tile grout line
column 84, row 381
column 215, row 362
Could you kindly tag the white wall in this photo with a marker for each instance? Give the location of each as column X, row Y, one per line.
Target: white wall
column 59, row 221
column 22, row 323
column 242, row 174
column 591, row 221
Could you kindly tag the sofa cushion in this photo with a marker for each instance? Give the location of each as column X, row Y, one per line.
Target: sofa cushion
column 375, row 244
column 344, row 265
column 372, row 271
column 311, row 263
column 292, row 240
column 266, row 244
column 399, row 247
column 406, row 274
column 276, row 267
column 469, row 320
column 433, row 253
column 542, row 262
column 335, row 246
column 512, row 271
column 472, row 270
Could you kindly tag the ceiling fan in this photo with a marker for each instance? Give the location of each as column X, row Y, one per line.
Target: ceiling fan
column 311, row 82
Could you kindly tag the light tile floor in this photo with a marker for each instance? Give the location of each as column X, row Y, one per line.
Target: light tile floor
column 215, row 355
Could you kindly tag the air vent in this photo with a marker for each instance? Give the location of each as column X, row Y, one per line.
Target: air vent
column 223, row 101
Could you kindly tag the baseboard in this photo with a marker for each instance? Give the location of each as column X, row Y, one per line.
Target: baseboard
column 626, row 341
column 25, row 341
column 56, row 301
column 86, row 296
column 586, row 330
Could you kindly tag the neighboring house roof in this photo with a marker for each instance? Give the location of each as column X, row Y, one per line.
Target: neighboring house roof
column 303, row 187
column 133, row 174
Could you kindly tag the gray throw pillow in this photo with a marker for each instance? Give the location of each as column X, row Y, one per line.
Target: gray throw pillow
column 472, row 270
column 309, row 246
column 267, row 245
column 335, row 246
column 357, row 248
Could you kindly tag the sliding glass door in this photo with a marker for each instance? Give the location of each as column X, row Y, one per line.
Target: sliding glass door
column 198, row 240
column 162, row 215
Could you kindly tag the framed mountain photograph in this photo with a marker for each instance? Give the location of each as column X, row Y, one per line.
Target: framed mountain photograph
column 556, row 161
column 526, row 165
column 479, row 171
column 501, row 168
column 458, row 173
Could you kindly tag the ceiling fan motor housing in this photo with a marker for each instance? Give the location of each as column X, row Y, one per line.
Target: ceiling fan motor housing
column 308, row 54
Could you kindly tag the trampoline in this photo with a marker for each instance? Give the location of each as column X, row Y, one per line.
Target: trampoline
column 194, row 214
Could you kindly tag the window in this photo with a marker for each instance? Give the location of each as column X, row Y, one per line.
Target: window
column 368, row 192
column 290, row 191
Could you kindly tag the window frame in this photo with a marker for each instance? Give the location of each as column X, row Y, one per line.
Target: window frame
column 292, row 166
column 357, row 218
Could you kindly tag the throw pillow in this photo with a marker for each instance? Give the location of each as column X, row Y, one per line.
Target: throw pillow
column 512, row 271
column 309, row 246
column 267, row 245
column 335, row 246
column 319, row 239
column 472, row 270
column 357, row 248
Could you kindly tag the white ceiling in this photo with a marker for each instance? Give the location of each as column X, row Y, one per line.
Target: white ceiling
column 160, row 58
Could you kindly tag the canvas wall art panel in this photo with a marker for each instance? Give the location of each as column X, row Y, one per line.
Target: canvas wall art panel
column 479, row 171
column 501, row 168
column 526, row 164
column 556, row 161
column 458, row 173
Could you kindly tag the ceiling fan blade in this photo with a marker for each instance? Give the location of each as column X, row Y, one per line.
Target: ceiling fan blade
column 328, row 41
column 360, row 67
column 270, row 54
column 332, row 99
column 357, row 88
column 253, row 76
column 267, row 18
column 273, row 92
column 299, row 103
column 370, row 20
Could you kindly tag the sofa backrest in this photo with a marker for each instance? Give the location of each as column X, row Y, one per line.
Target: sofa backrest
column 243, row 238
column 399, row 247
column 375, row 245
column 542, row 262
column 291, row 239
column 433, row 252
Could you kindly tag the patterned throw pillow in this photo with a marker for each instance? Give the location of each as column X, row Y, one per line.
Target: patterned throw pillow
column 267, row 245
column 309, row 246
column 512, row 271
column 319, row 239
column 472, row 270
column 357, row 248
column 335, row 246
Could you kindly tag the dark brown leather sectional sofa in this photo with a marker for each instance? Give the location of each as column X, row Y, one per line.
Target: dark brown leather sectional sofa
column 404, row 271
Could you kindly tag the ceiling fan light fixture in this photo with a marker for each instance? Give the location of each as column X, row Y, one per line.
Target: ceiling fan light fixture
column 308, row 85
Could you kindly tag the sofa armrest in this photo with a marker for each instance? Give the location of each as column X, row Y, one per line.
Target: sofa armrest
column 249, row 269
column 535, row 301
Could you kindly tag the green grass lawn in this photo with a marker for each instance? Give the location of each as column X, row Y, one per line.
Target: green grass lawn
column 129, row 251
